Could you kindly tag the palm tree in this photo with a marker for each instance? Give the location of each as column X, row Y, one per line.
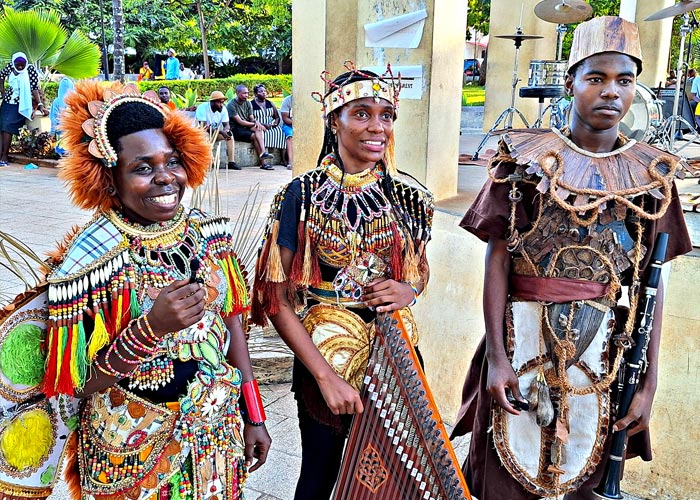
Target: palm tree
column 118, row 41
column 39, row 34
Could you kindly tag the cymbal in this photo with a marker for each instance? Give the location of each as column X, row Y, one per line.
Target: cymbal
column 674, row 10
column 563, row 11
column 518, row 36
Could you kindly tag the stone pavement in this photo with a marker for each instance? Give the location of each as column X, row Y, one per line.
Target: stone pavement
column 34, row 207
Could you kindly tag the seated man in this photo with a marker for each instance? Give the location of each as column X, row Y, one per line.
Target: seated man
column 214, row 117
column 246, row 128
column 286, row 113
column 164, row 94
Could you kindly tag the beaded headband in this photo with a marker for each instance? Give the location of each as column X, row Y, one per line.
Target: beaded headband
column 382, row 87
column 96, row 127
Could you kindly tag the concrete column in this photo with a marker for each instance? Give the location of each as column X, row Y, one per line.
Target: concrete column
column 656, row 41
column 327, row 33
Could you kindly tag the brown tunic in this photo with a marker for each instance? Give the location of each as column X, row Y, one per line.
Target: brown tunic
column 488, row 217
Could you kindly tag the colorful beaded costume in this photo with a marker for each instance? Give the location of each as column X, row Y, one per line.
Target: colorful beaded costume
column 127, row 445
column 352, row 229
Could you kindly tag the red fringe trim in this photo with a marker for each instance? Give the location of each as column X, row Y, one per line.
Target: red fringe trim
column 49, row 385
column 396, row 253
column 71, row 473
column 296, row 273
column 64, row 385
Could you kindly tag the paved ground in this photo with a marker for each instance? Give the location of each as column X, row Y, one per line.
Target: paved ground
column 34, row 207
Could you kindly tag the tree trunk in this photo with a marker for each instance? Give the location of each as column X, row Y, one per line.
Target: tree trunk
column 482, row 71
column 118, row 41
column 203, row 29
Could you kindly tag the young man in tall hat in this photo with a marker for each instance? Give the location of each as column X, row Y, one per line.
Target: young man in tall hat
column 570, row 216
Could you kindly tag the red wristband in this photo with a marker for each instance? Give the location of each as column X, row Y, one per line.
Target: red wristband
column 253, row 403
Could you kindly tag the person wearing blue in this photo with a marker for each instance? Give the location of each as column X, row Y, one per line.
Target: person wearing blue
column 172, row 66
column 57, row 106
column 287, row 128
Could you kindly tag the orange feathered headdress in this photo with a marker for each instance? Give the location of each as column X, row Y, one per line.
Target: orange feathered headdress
column 87, row 167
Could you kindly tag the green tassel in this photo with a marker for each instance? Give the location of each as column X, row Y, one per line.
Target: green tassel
column 174, row 483
column 134, row 308
column 82, row 354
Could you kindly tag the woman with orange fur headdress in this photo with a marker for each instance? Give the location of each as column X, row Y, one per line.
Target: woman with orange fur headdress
column 144, row 306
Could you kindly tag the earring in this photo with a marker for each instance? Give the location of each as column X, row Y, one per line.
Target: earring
column 334, row 131
column 111, row 190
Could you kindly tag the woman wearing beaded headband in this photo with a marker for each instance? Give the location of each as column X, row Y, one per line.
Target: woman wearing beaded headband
column 144, row 305
column 344, row 241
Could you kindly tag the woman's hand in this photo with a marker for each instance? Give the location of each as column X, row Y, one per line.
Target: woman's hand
column 502, row 378
column 340, row 396
column 257, row 445
column 178, row 305
column 388, row 295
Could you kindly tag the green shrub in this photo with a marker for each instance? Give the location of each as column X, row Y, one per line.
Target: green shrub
column 276, row 85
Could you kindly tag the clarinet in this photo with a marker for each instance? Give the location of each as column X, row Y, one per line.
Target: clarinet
column 634, row 363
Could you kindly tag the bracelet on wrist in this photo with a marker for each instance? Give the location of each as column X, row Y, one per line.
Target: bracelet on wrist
column 254, row 410
column 415, row 294
column 148, row 334
column 248, row 421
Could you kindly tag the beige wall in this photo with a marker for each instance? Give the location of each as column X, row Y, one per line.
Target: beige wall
column 427, row 130
column 448, row 340
column 656, row 41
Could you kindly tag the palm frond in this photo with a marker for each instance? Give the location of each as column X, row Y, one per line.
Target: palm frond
column 206, row 196
column 248, row 230
column 19, row 262
column 79, row 58
column 37, row 33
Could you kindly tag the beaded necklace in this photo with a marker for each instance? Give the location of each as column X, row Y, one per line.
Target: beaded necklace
column 350, row 212
column 163, row 252
column 120, row 265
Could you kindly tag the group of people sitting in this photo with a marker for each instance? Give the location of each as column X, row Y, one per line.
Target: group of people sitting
column 258, row 122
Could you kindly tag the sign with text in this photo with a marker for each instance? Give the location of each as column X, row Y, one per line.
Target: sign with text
column 411, row 79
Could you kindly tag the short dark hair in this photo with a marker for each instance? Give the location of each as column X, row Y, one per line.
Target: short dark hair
column 129, row 118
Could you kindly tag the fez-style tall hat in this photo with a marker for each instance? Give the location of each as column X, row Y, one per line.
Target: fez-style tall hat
column 605, row 34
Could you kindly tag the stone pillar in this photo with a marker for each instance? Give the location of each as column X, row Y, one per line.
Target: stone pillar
column 656, row 41
column 325, row 34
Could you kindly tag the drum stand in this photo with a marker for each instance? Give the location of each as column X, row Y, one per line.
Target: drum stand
column 673, row 124
column 556, row 117
column 508, row 113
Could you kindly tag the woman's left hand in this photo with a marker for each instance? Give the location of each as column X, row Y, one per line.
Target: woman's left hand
column 257, row 444
column 388, row 295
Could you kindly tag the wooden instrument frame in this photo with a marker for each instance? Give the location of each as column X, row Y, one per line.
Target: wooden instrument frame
column 423, row 464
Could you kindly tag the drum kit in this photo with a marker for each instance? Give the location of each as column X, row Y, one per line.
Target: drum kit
column 546, row 77
column 645, row 119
